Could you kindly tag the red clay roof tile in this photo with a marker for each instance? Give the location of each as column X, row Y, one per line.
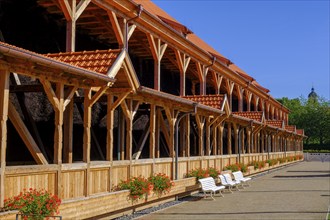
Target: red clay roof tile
column 257, row 116
column 300, row 131
column 291, row 128
column 214, row 101
column 275, row 123
column 98, row 61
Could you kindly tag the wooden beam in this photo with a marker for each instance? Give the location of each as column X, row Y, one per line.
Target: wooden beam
column 117, row 64
column 68, row 133
column 142, row 142
column 152, row 139
column 4, row 101
column 164, row 130
column 25, row 135
column 66, row 9
column 87, row 126
column 110, row 125
column 81, row 7
column 200, row 125
column 50, row 93
column 157, row 51
column 32, row 127
column 116, row 28
column 202, row 71
column 98, row 94
column 183, row 63
column 69, row 95
column 58, row 135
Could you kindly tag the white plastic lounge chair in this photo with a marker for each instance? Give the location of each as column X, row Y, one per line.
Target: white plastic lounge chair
column 208, row 186
column 229, row 185
column 238, row 175
column 230, row 180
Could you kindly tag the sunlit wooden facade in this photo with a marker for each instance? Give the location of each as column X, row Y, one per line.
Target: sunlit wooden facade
column 155, row 73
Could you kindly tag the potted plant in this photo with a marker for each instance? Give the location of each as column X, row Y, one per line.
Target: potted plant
column 162, row 184
column 34, row 204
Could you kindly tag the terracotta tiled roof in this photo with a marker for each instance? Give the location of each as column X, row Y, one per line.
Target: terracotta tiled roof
column 300, row 131
column 98, row 61
column 214, row 101
column 275, row 123
column 291, row 128
column 240, row 72
column 257, row 116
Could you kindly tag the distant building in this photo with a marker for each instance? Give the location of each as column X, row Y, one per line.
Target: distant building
column 312, row 94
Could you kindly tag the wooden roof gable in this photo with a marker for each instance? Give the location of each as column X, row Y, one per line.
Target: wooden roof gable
column 19, row 60
column 113, row 63
column 97, row 61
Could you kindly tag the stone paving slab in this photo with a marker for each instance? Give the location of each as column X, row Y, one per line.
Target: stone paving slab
column 299, row 191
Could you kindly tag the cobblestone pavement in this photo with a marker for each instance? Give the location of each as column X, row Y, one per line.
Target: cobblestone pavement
column 299, row 191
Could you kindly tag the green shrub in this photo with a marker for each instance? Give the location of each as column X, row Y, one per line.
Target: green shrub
column 200, row 173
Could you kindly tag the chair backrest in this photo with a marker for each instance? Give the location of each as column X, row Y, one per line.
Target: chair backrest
column 223, row 179
column 207, row 183
column 228, row 178
column 238, row 175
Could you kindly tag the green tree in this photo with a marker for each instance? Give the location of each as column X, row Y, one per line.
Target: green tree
column 312, row 115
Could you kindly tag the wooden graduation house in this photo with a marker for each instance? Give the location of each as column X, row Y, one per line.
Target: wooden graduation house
column 152, row 91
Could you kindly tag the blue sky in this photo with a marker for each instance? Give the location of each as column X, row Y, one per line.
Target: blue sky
column 283, row 44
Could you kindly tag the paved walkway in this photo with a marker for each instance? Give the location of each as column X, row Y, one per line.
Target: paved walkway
column 300, row 191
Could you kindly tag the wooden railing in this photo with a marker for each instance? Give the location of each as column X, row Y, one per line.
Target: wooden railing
column 78, row 180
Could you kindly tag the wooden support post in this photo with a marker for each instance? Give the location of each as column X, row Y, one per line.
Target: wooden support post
column 157, row 134
column 229, row 139
column 208, row 134
column 240, row 98
column 202, row 71
column 230, row 87
column 217, row 78
column 110, row 125
column 200, row 125
column 152, row 138
column 248, row 137
column 220, row 139
column 248, row 100
column 68, row 131
column 243, row 150
column 214, row 140
column 157, row 50
column 236, row 130
column 4, row 101
column 87, row 125
column 183, row 63
column 187, row 134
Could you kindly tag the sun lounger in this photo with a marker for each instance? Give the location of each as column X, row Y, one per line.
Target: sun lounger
column 208, row 186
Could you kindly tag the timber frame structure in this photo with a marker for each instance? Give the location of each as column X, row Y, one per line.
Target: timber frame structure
column 235, row 118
